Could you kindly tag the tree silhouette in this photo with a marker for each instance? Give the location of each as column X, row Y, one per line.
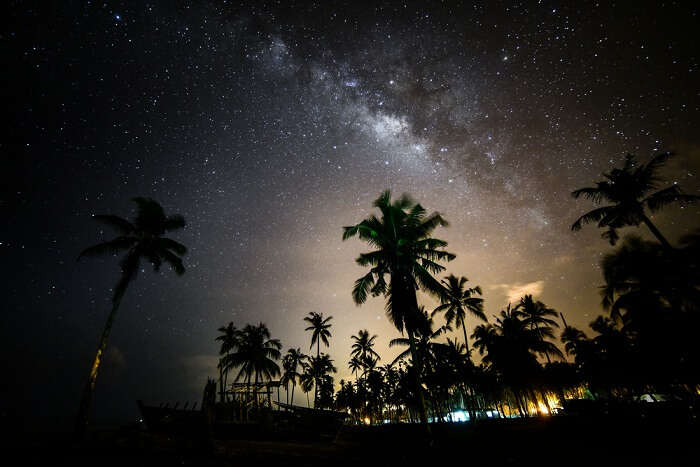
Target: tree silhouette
column 229, row 341
column 319, row 369
column 355, row 365
column 629, row 190
column 291, row 362
column 255, row 355
column 363, row 345
column 320, row 330
column 536, row 315
column 140, row 239
column 403, row 250
column 457, row 301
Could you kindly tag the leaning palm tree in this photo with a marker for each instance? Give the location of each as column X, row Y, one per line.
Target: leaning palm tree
column 139, row 239
column 403, row 250
column 320, row 330
column 363, row 345
column 458, row 301
column 630, row 190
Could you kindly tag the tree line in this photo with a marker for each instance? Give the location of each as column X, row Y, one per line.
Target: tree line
column 643, row 343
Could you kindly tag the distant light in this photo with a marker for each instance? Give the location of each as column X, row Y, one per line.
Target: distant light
column 118, row 17
column 366, row 420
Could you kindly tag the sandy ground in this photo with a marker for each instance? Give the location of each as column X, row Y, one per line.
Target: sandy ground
column 547, row 441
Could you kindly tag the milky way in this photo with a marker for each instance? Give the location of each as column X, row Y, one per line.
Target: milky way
column 270, row 128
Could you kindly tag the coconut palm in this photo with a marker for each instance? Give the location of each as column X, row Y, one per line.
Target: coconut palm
column 457, row 301
column 355, row 365
column 403, row 250
column 572, row 338
column 255, row 355
column 320, row 368
column 229, row 341
column 291, row 363
column 536, row 315
column 139, row 239
column 425, row 340
column 630, row 190
column 363, row 345
column 320, row 330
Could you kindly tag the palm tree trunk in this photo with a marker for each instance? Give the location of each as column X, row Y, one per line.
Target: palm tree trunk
column 466, row 344
column 656, row 232
column 221, row 383
column 225, row 383
column 294, row 385
column 255, row 391
column 419, row 388
column 83, row 418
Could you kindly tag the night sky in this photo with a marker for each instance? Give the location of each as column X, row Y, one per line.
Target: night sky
column 270, row 127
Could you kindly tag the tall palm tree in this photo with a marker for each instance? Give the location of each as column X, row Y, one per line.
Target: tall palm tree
column 457, row 301
column 319, row 368
column 572, row 338
column 320, row 330
column 536, row 315
column 403, row 250
column 630, row 190
column 291, row 363
column 363, row 345
column 139, row 239
column 229, row 340
column 355, row 365
column 255, row 356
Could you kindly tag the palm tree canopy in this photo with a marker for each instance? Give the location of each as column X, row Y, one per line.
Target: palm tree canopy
column 425, row 336
column 319, row 327
column 228, row 338
column 140, row 239
column 255, row 353
column 457, row 300
column 535, row 313
column 403, row 250
column 629, row 190
column 363, row 345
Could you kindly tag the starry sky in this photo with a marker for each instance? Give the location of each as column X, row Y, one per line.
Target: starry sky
column 271, row 125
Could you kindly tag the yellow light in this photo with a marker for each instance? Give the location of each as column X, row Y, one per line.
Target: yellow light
column 366, row 420
column 542, row 408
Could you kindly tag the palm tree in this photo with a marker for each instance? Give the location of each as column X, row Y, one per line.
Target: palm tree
column 291, row 362
column 320, row 330
column 536, row 315
column 306, row 381
column 458, row 300
column 629, row 190
column 572, row 338
column 255, row 355
column 142, row 238
column 319, row 368
column 404, row 250
column 363, row 345
column 355, row 365
column 229, row 341
column 425, row 337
